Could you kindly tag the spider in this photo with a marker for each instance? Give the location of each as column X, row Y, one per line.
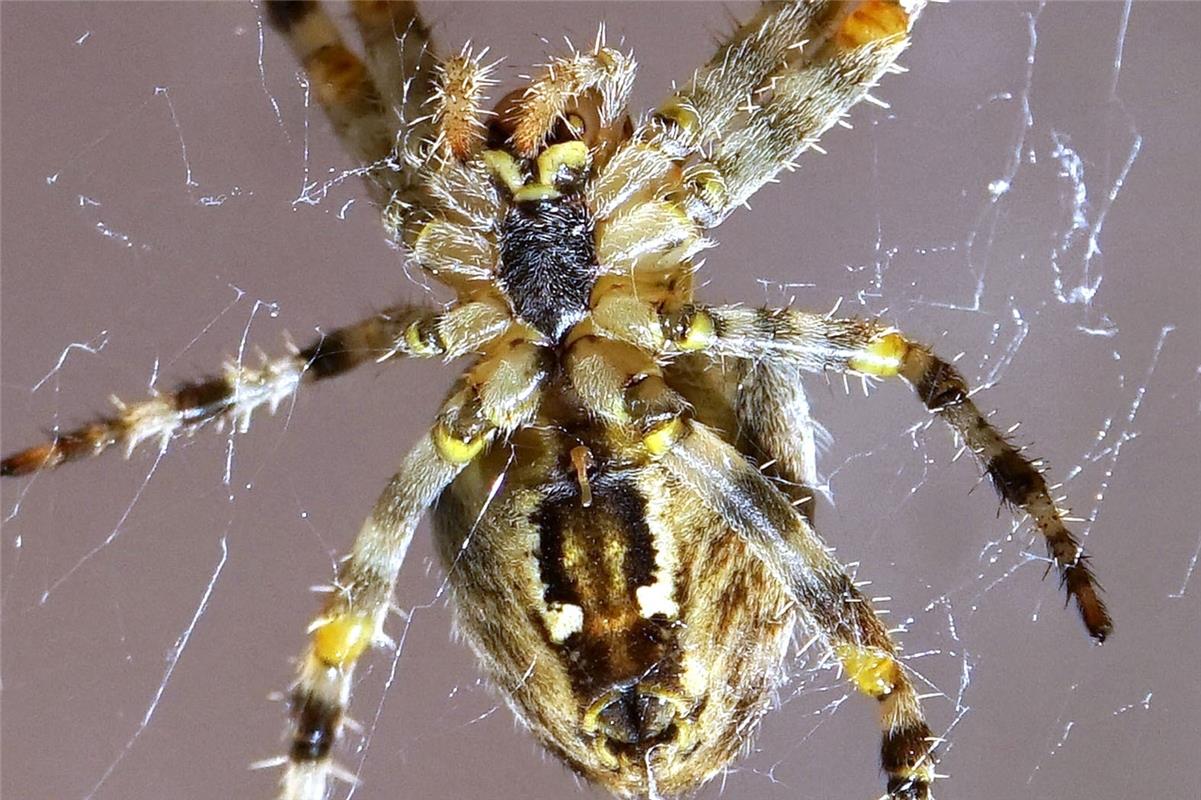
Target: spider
column 621, row 481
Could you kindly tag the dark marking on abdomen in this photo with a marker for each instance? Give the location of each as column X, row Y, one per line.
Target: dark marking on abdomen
column 618, row 509
column 616, row 645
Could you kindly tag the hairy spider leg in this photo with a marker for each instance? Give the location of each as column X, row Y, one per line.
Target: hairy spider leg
column 495, row 398
column 752, row 506
column 240, row 390
column 816, row 343
column 771, row 90
column 375, row 108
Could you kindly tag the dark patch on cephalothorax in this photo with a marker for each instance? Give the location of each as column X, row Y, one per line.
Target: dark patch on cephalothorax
column 548, row 262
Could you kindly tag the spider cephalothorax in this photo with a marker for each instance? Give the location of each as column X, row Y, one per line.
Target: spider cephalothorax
column 621, row 482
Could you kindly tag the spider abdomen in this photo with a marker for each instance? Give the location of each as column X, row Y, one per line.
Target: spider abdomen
column 637, row 638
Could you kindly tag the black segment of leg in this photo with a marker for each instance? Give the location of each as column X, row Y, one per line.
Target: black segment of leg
column 284, row 14
column 1014, row 478
column 203, row 400
column 941, row 385
column 328, row 357
column 316, row 724
column 903, row 750
column 905, row 747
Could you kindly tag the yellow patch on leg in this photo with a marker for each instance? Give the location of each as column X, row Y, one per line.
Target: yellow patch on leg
column 339, row 641
column 699, row 334
column 873, row 671
column 883, row 358
column 664, row 436
column 872, row 21
column 455, row 449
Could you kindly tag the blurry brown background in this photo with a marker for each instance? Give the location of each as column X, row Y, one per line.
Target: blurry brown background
column 151, row 165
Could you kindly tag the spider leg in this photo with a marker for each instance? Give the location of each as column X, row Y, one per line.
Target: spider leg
column 816, row 343
column 240, row 389
column 760, row 407
column 497, row 397
column 752, row 506
column 375, row 107
column 771, row 90
column 401, row 58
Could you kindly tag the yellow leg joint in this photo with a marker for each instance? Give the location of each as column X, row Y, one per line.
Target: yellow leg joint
column 699, row 333
column 883, row 358
column 681, row 115
column 419, row 344
column 536, row 191
column 455, row 449
column 663, row 436
column 873, row 671
column 708, row 179
column 339, row 641
column 873, row 20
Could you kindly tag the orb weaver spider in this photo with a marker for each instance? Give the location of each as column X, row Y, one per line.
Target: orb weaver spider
column 650, row 545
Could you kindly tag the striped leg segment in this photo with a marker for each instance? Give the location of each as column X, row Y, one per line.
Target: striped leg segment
column 353, row 618
column 488, row 406
column 817, row 343
column 773, row 89
column 240, row 390
column 723, row 480
column 401, row 59
column 340, row 81
column 776, row 427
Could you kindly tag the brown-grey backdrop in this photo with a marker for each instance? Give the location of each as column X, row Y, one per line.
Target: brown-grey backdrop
column 151, row 163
